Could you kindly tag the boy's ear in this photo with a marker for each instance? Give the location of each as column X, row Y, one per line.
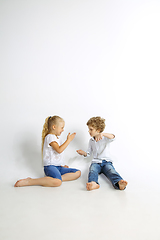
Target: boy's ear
column 99, row 130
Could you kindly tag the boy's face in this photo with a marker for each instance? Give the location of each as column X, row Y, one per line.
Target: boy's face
column 92, row 131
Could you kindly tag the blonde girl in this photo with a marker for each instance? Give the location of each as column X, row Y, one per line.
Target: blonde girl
column 52, row 150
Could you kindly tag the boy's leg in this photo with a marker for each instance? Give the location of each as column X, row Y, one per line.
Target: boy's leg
column 94, row 170
column 109, row 171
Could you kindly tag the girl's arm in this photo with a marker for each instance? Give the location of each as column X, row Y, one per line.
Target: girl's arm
column 60, row 149
column 108, row 135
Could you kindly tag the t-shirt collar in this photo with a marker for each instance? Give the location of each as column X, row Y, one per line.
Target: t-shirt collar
column 92, row 138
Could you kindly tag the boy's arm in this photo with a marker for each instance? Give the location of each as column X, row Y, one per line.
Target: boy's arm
column 107, row 135
column 81, row 152
column 88, row 153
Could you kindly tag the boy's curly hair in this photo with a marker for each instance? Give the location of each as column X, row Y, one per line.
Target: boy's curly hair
column 97, row 122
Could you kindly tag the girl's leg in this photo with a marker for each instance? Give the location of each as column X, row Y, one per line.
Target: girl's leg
column 94, row 170
column 45, row 181
column 52, row 179
column 69, row 174
column 109, row 171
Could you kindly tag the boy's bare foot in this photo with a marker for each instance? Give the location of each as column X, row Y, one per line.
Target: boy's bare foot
column 92, row 186
column 122, row 184
column 22, row 182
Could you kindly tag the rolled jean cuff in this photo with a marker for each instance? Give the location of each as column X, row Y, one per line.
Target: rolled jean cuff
column 116, row 185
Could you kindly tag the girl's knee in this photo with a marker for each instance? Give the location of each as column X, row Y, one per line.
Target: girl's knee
column 58, row 182
column 55, row 182
column 78, row 173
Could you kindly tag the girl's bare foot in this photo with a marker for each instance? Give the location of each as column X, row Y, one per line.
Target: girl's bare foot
column 22, row 182
column 92, row 186
column 122, row 184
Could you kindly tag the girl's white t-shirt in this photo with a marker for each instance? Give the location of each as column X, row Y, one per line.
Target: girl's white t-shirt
column 50, row 156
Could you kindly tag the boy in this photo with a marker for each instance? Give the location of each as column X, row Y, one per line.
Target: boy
column 101, row 162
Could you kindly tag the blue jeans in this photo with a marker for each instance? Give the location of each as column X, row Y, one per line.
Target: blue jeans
column 107, row 169
column 57, row 171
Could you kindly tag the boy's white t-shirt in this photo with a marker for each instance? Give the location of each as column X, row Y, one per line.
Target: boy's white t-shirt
column 100, row 149
column 50, row 156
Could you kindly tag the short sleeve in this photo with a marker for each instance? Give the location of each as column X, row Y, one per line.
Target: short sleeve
column 52, row 138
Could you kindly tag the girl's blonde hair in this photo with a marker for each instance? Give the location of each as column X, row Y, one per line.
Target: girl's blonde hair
column 47, row 127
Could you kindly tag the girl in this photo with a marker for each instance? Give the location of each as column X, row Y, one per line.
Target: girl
column 52, row 150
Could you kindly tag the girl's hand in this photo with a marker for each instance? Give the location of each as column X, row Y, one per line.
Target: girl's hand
column 81, row 152
column 98, row 137
column 71, row 137
column 65, row 166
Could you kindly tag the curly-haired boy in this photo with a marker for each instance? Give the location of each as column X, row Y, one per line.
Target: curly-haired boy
column 101, row 162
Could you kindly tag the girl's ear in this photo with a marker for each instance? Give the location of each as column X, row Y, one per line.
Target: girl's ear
column 53, row 127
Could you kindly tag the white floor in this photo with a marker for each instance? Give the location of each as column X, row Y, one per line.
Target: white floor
column 70, row 212
column 79, row 59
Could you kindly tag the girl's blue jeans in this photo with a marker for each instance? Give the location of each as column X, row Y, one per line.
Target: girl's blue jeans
column 107, row 169
column 57, row 171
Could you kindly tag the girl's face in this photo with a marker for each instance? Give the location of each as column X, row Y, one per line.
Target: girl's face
column 92, row 131
column 58, row 128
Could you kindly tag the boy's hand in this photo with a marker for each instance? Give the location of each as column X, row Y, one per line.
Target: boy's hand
column 81, row 152
column 98, row 137
column 71, row 137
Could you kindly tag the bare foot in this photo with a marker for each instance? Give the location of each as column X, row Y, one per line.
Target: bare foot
column 22, row 182
column 92, row 186
column 122, row 184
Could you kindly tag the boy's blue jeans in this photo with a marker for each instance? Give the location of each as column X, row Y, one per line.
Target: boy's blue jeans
column 107, row 169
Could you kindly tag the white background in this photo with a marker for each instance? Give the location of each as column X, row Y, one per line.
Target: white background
column 79, row 59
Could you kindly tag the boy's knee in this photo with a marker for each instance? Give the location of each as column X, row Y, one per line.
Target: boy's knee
column 93, row 171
